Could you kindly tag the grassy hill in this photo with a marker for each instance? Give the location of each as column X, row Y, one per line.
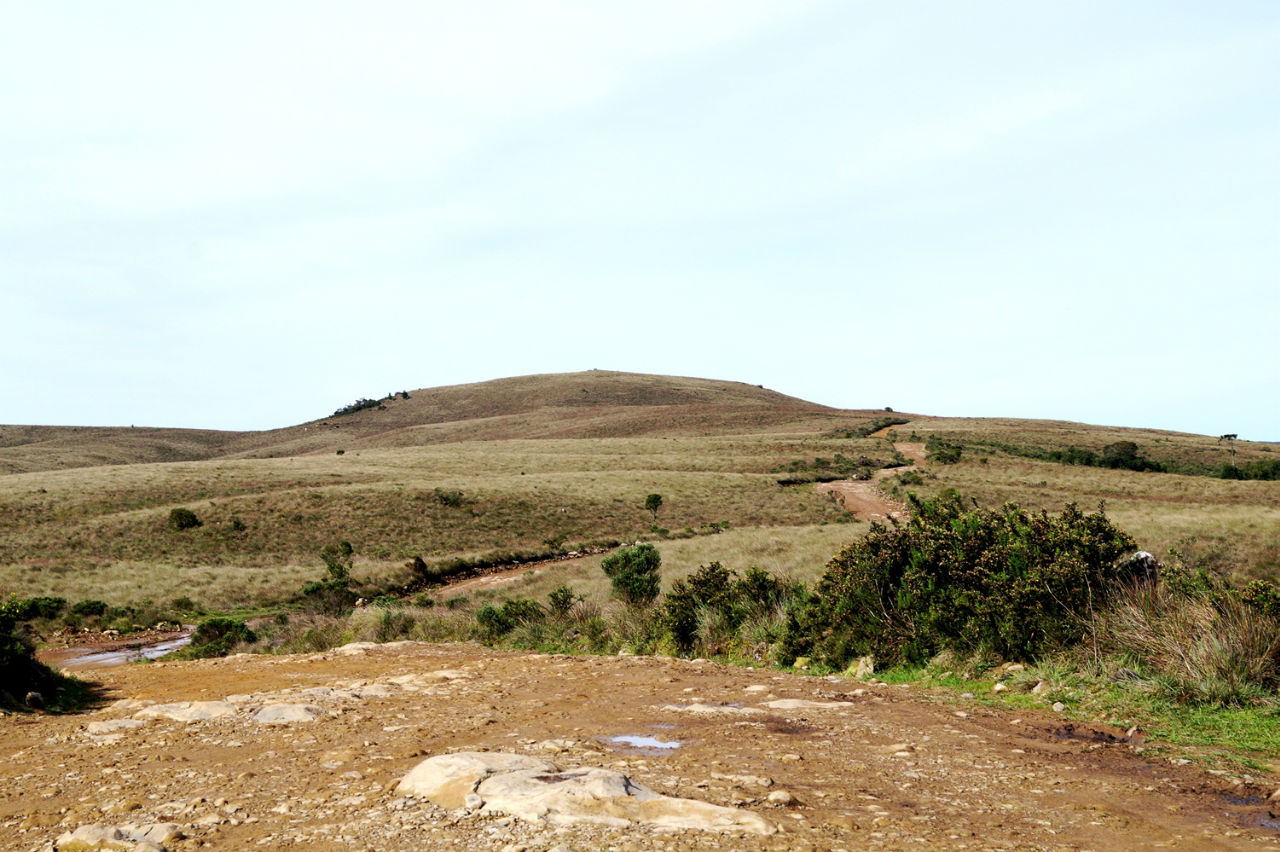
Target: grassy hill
column 542, row 463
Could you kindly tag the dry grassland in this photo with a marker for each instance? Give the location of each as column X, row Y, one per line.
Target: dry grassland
column 545, row 459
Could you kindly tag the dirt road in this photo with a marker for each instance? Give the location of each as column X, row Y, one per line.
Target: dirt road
column 862, row 766
column 864, row 498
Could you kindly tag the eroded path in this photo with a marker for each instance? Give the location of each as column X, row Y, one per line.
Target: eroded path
column 864, row 498
column 863, row 766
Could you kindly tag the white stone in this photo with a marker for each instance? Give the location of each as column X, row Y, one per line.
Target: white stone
column 447, row 779
column 352, row 649
column 782, row 797
column 187, row 711
column 606, row 797
column 700, row 709
column 803, row 704
column 1058, row 707
column 113, row 726
column 287, row 714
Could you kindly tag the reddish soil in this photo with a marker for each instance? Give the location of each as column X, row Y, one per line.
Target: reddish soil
column 884, row 766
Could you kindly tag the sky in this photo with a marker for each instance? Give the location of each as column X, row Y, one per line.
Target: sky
column 244, row 215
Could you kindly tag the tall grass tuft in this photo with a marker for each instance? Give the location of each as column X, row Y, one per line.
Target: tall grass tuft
column 1201, row 646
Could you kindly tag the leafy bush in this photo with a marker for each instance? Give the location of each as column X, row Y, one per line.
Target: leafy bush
column 215, row 637
column 1004, row 582
column 495, row 622
column 338, row 559
column 452, row 498
column 653, row 503
column 183, row 519
column 561, row 599
column 715, row 600
column 88, row 608
column 633, row 571
column 31, row 608
column 943, row 451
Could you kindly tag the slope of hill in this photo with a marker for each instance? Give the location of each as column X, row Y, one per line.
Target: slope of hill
column 596, row 403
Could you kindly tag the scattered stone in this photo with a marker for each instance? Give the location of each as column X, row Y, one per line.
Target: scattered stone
column 187, row 711
column 755, row 687
column 287, row 714
column 1040, row 688
column 448, row 779
column 35, row 700
column 112, row 726
column 966, row 695
column 473, row 802
column 744, row 780
column 1058, row 707
column 792, row 757
column 999, row 687
column 700, row 709
column 782, row 797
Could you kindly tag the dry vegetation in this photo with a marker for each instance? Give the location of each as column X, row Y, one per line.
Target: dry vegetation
column 543, row 461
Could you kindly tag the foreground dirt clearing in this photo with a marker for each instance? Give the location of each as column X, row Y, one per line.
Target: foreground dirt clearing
column 831, row 763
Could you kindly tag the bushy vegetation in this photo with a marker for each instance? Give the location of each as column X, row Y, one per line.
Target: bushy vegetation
column 633, row 571
column 1003, row 582
column 332, row 595
column 822, row 469
column 183, row 519
column 215, row 637
column 20, row 671
column 866, row 430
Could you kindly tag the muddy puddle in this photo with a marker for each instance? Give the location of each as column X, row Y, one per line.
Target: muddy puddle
column 119, row 654
column 644, row 743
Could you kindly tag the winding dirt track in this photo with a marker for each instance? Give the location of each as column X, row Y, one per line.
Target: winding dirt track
column 868, row 765
column 864, row 499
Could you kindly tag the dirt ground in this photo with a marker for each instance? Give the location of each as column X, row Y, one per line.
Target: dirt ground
column 865, row 765
column 863, row 497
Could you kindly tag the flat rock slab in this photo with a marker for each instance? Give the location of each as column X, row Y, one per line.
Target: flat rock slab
column 127, row 838
column 536, row 790
column 805, row 704
column 187, row 711
column 287, row 714
column 447, row 779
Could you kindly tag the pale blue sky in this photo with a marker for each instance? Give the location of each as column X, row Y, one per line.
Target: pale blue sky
column 244, row 215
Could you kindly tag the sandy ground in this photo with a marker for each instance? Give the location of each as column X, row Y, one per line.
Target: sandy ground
column 870, row 766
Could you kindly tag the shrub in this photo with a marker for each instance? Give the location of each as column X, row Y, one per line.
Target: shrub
column 215, row 637
column 30, row 608
column 633, row 571
column 561, row 599
column 447, row 498
column 338, row 559
column 183, row 519
column 88, row 608
column 496, row 622
column 20, row 672
column 652, row 504
column 1006, row 583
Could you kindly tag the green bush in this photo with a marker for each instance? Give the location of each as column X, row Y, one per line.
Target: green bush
column 633, row 571
column 89, row 608
column 32, row 608
column 496, row 622
column 1001, row 582
column 561, row 599
column 215, row 637
column 183, row 519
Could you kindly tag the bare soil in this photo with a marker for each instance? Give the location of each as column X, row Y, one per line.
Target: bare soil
column 864, row 499
column 884, row 766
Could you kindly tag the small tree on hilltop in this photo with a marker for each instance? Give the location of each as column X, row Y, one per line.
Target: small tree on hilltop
column 634, row 573
column 653, row 503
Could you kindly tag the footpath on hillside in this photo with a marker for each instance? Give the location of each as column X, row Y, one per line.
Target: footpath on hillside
column 309, row 751
column 864, row 499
